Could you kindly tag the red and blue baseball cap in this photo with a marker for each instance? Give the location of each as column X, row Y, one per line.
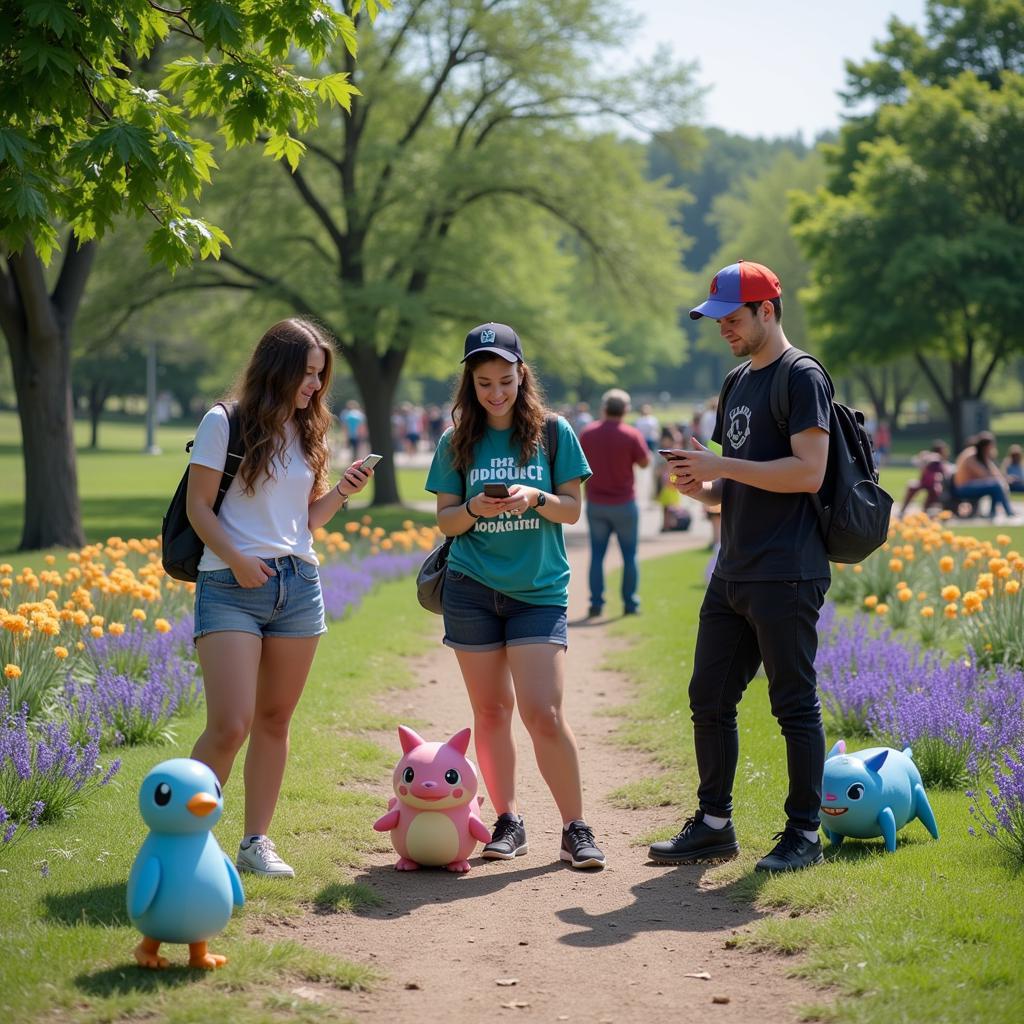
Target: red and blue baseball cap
column 735, row 284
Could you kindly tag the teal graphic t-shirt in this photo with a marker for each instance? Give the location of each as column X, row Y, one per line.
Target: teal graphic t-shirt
column 521, row 556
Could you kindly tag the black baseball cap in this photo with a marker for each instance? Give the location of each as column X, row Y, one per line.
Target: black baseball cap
column 496, row 340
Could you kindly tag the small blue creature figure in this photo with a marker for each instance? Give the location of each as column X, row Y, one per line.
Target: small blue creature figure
column 872, row 792
column 182, row 887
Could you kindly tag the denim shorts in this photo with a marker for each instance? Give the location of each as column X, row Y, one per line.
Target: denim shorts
column 288, row 604
column 479, row 618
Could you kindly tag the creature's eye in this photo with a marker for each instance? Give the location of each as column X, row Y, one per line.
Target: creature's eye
column 216, row 786
column 162, row 796
column 855, row 792
column 408, row 775
column 452, row 777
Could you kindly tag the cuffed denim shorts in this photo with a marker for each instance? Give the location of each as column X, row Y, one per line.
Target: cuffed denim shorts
column 479, row 618
column 288, row 604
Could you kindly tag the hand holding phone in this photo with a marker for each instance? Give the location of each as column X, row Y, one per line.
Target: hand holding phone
column 668, row 453
column 369, row 462
column 496, row 490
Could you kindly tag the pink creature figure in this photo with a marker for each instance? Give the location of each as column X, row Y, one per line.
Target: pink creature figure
column 433, row 817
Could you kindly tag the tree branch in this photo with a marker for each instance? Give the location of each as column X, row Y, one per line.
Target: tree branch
column 74, row 274
column 926, row 369
column 40, row 316
column 318, row 208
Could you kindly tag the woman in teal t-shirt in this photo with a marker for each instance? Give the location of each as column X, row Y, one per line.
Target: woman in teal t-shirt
column 506, row 589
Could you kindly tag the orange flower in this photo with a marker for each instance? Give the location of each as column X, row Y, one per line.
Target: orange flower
column 116, row 629
column 870, row 601
column 139, row 614
column 946, row 563
column 927, row 611
column 1012, row 586
column 950, row 593
column 12, row 671
column 881, row 609
column 96, row 631
column 950, row 611
column 61, row 652
column 162, row 626
column 896, row 565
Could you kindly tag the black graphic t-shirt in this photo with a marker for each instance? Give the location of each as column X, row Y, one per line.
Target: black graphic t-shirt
column 766, row 535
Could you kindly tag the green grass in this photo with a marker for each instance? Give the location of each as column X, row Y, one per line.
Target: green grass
column 933, row 932
column 65, row 942
column 124, row 492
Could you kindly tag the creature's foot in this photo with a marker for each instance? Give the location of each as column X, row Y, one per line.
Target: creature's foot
column 404, row 864
column 460, row 866
column 199, row 957
column 146, row 954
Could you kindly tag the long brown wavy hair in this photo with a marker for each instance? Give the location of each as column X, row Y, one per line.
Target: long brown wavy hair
column 470, row 417
column 266, row 393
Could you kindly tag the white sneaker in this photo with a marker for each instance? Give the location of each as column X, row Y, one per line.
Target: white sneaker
column 260, row 858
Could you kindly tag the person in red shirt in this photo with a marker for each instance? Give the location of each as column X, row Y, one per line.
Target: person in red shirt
column 613, row 448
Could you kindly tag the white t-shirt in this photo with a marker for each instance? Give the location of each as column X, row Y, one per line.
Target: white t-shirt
column 274, row 519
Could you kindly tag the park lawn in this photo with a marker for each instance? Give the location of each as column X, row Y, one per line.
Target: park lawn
column 933, row 932
column 124, row 492
column 65, row 941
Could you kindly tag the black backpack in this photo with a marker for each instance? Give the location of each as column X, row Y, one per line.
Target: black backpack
column 853, row 511
column 182, row 548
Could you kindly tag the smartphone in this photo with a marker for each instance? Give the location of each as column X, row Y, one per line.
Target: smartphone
column 667, row 453
column 496, row 490
column 370, row 461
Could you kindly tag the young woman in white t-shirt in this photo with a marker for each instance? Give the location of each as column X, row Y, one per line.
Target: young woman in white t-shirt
column 258, row 605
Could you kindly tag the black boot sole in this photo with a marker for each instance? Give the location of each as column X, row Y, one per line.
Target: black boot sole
column 712, row 855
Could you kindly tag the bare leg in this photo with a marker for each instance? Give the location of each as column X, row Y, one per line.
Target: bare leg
column 230, row 664
column 538, row 672
column 147, row 954
column 283, row 669
column 489, row 686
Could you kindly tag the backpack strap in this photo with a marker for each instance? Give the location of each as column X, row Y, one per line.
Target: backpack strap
column 551, row 441
column 779, row 398
column 730, row 380
column 235, row 454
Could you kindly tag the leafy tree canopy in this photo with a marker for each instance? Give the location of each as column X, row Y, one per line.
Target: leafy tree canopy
column 86, row 135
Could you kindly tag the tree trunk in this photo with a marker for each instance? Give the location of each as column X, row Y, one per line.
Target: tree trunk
column 97, row 400
column 376, row 376
column 37, row 326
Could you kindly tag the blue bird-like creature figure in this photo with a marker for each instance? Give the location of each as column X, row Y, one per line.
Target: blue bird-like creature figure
column 872, row 792
column 182, row 887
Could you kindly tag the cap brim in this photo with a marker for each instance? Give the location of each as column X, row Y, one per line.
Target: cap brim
column 492, row 351
column 714, row 308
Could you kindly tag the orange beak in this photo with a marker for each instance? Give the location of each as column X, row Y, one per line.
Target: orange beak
column 202, row 804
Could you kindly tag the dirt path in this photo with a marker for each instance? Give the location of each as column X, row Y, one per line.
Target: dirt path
column 610, row 946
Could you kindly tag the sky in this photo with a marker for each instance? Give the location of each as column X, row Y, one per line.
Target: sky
column 773, row 68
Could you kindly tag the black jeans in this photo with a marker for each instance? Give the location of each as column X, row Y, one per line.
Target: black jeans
column 741, row 625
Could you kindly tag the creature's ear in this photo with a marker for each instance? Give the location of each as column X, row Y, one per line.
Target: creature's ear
column 875, row 762
column 408, row 739
column 839, row 748
column 460, row 741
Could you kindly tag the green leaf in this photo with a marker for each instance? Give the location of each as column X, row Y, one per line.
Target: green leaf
column 285, row 146
column 338, row 89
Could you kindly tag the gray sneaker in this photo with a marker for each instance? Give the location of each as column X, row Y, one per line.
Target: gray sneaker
column 508, row 839
column 579, row 847
column 260, row 858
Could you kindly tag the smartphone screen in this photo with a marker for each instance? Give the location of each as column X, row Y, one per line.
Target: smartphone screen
column 370, row 461
column 496, row 490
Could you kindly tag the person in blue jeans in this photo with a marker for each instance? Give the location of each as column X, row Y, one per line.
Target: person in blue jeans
column 506, row 587
column 977, row 475
column 259, row 610
column 613, row 448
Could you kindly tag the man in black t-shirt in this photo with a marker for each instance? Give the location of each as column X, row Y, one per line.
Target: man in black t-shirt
column 770, row 579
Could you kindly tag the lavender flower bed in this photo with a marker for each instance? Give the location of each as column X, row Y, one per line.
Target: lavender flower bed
column 44, row 773
column 346, row 584
column 955, row 715
column 1004, row 818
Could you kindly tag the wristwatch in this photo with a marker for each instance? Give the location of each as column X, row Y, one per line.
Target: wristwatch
column 542, row 499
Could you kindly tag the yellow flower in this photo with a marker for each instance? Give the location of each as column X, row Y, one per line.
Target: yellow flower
column 904, row 595
column 162, row 626
column 858, row 569
column 972, row 601
column 946, row 563
column 950, row 593
column 927, row 611
column 61, row 652
column 97, row 620
column 79, row 646
column 896, row 565
column 96, row 631
column 870, row 601
column 352, row 526
column 922, row 595
column 1003, row 540
column 116, row 629
column 881, row 609
column 12, row 671
column 1012, row 586
column 950, row 611
column 138, row 613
